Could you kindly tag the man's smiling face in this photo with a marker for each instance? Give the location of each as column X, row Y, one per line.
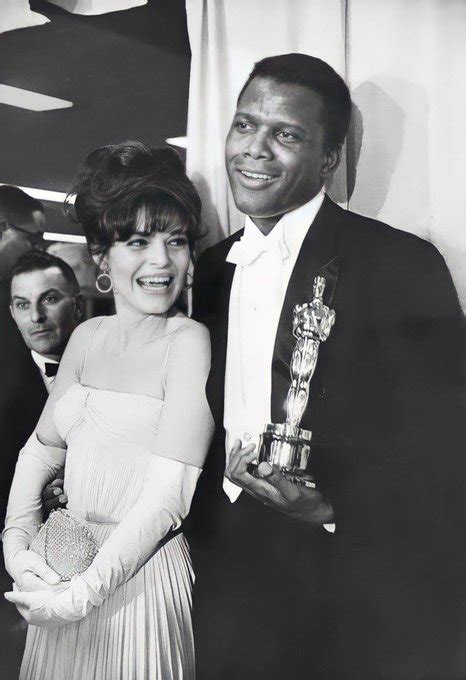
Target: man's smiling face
column 275, row 154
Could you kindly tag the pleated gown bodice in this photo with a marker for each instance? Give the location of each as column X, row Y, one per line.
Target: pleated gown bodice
column 104, row 478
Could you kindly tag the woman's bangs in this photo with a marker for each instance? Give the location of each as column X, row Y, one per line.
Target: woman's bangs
column 145, row 215
column 160, row 214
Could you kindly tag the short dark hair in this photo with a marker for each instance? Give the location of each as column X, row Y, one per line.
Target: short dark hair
column 117, row 181
column 39, row 260
column 318, row 76
column 17, row 207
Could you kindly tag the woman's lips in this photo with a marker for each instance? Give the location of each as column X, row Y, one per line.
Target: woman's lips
column 155, row 284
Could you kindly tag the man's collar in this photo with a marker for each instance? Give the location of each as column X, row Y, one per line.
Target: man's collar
column 291, row 228
column 41, row 360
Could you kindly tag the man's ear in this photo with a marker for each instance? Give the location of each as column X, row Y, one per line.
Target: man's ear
column 79, row 307
column 331, row 162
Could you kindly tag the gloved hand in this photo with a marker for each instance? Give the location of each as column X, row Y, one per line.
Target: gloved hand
column 49, row 608
column 162, row 505
column 30, row 571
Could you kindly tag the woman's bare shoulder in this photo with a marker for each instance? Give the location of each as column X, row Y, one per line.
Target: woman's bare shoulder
column 189, row 330
column 82, row 335
column 191, row 340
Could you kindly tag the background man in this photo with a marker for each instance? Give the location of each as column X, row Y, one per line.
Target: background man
column 22, row 389
column 46, row 305
column 22, row 225
column 382, row 596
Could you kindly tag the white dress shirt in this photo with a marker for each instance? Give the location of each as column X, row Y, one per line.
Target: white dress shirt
column 264, row 267
column 40, row 362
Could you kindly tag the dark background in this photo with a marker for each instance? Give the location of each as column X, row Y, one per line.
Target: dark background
column 127, row 74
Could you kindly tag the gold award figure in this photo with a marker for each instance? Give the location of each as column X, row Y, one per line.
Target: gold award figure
column 286, row 445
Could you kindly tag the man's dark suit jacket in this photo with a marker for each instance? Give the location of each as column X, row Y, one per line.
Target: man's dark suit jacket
column 22, row 396
column 382, row 598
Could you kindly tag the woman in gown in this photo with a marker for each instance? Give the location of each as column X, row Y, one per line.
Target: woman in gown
column 129, row 420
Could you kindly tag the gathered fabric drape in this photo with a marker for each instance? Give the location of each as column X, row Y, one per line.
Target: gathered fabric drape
column 404, row 63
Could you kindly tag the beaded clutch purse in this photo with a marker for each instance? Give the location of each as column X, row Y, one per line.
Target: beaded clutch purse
column 66, row 544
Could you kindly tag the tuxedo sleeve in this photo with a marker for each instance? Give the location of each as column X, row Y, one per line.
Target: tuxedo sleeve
column 421, row 333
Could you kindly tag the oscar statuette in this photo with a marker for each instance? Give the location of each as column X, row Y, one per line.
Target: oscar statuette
column 286, row 445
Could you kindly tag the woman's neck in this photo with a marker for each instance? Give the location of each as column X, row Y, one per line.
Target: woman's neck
column 133, row 329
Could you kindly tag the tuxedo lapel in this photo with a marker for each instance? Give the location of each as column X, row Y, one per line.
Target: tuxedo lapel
column 219, row 330
column 318, row 255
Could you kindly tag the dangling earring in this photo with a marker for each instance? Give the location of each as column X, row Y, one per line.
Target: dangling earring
column 189, row 281
column 104, row 274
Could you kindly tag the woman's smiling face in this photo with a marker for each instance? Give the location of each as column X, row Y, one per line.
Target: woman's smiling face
column 149, row 269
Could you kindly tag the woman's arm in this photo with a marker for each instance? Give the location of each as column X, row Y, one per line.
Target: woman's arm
column 38, row 462
column 183, row 437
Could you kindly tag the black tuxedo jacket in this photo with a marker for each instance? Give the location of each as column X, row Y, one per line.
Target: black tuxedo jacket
column 383, row 597
column 22, row 396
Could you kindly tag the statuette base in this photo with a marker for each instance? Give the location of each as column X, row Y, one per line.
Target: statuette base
column 287, row 448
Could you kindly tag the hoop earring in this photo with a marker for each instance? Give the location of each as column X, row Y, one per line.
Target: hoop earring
column 104, row 274
column 189, row 281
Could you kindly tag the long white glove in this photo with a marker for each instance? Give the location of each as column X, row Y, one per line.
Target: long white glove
column 161, row 507
column 37, row 465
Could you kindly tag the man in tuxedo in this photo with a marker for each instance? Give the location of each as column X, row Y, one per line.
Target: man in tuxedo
column 361, row 578
column 46, row 305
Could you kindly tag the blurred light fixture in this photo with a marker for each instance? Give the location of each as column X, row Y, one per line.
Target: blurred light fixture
column 181, row 142
column 63, row 238
column 44, row 194
column 32, row 101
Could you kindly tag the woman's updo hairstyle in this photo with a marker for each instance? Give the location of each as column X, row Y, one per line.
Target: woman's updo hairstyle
column 118, row 182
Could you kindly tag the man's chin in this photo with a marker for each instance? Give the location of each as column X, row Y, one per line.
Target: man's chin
column 44, row 348
column 254, row 208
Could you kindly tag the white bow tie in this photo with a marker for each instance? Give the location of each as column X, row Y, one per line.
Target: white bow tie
column 244, row 253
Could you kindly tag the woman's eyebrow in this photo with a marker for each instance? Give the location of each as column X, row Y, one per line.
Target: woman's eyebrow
column 177, row 230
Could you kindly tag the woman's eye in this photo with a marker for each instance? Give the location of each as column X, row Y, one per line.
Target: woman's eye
column 178, row 241
column 137, row 242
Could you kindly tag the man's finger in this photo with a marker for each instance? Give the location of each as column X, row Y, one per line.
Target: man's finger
column 273, row 476
column 51, row 491
column 240, row 459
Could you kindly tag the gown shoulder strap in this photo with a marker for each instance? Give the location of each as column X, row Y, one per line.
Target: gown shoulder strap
column 97, row 325
column 167, row 353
